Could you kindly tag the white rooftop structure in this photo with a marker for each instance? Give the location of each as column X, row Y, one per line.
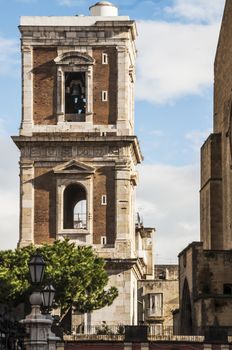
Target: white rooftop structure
column 103, row 8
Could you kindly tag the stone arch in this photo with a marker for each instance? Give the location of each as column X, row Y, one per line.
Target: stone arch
column 75, row 206
column 186, row 310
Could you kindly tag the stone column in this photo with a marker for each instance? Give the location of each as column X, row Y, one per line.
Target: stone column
column 89, row 95
column 27, row 203
column 60, row 102
column 27, row 95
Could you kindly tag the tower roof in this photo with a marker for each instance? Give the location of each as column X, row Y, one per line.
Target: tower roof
column 103, row 3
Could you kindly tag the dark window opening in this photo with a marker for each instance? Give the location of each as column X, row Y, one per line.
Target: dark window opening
column 227, row 289
column 75, row 207
column 162, row 275
column 75, row 96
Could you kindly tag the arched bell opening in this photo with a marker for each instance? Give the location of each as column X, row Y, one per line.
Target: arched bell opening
column 75, row 207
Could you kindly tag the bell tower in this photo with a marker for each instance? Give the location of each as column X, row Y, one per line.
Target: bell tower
column 77, row 143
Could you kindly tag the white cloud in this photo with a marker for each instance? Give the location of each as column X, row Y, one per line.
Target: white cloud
column 168, row 200
column 9, row 189
column 174, row 60
column 197, row 138
column 9, row 56
column 197, row 10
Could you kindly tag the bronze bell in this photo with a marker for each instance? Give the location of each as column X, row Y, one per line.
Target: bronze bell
column 76, row 90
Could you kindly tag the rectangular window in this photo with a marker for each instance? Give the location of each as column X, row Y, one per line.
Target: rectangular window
column 104, row 199
column 103, row 240
column 156, row 304
column 103, row 133
column 104, row 58
column 104, row 96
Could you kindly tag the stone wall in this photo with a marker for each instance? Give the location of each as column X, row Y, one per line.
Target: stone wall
column 165, row 283
column 206, row 272
column 222, row 71
column 223, row 118
column 211, row 193
column 124, row 308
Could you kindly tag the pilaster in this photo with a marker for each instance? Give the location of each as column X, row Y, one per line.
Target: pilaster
column 122, row 179
column 27, row 95
column 27, row 204
column 123, row 84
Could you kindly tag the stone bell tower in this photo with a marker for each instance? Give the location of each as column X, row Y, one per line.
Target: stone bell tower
column 77, row 143
column 205, row 267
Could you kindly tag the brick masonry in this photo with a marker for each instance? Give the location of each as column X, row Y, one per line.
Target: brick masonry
column 44, row 85
column 45, row 206
column 105, row 78
column 104, row 215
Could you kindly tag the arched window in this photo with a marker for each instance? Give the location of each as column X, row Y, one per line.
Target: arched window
column 186, row 311
column 75, row 207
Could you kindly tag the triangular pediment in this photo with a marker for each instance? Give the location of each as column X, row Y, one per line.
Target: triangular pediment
column 74, row 57
column 73, row 166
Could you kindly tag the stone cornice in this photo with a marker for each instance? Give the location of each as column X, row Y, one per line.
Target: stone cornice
column 53, row 139
column 136, row 264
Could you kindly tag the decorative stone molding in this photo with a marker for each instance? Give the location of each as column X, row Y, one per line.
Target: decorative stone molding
column 74, row 167
column 74, row 58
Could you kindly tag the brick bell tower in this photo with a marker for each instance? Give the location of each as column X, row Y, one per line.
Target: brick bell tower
column 77, row 143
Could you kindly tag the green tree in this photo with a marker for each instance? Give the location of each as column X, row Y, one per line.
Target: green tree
column 77, row 274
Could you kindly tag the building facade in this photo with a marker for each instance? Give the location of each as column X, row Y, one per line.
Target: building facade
column 78, row 149
column 159, row 298
column 206, row 266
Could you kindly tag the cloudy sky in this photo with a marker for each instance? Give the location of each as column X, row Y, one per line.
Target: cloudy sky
column 176, row 48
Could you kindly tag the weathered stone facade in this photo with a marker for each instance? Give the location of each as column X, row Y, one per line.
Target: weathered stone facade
column 206, row 267
column 78, row 149
column 159, row 298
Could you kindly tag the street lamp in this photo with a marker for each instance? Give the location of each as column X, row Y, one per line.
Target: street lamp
column 36, row 268
column 37, row 324
column 48, row 294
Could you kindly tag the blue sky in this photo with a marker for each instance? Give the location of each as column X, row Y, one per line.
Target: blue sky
column 173, row 112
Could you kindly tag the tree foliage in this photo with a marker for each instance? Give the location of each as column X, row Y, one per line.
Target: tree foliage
column 77, row 274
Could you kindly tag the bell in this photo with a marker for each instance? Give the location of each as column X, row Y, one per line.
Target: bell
column 76, row 90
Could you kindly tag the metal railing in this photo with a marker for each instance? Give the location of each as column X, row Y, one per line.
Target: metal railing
column 103, row 329
column 80, row 220
column 118, row 332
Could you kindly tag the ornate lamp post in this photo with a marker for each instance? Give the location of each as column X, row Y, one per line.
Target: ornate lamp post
column 48, row 294
column 39, row 325
column 36, row 268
